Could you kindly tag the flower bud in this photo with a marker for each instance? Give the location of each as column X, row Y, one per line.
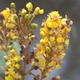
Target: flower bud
column 5, row 58
column 15, row 38
column 28, row 17
column 10, row 47
column 42, row 41
column 33, row 26
column 47, row 49
column 42, row 33
column 12, row 51
column 15, row 16
column 23, row 12
column 41, row 11
column 12, row 5
column 37, row 9
column 52, row 38
column 29, row 6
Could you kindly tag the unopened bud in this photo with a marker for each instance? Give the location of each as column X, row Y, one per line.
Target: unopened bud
column 29, row 6
column 41, row 11
column 48, row 49
column 37, row 9
column 15, row 17
column 15, row 38
column 12, row 5
column 28, row 16
column 33, row 26
column 23, row 12
column 5, row 58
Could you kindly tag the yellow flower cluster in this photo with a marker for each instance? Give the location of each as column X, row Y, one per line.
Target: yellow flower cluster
column 12, row 62
column 8, row 21
column 17, row 28
column 54, row 42
column 49, row 51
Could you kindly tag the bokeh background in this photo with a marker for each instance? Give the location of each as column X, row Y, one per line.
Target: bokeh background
column 71, row 63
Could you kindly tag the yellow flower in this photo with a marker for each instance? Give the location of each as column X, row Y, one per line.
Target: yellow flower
column 17, row 66
column 13, row 52
column 42, row 41
column 42, row 33
column 67, row 41
column 47, row 49
column 56, row 65
column 6, row 13
column 16, row 58
column 67, row 29
column 50, row 32
column 8, row 63
column 60, row 39
column 50, row 70
column 9, row 77
column 54, row 15
column 10, row 25
column 60, row 47
column 41, row 63
column 50, row 64
column 52, row 38
column 49, row 23
column 12, row 34
column 45, row 39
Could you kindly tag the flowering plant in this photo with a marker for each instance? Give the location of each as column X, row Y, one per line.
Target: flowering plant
column 47, row 54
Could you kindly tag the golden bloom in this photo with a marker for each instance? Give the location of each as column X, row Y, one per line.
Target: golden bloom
column 67, row 29
column 11, row 75
column 13, row 52
column 54, row 15
column 52, row 38
column 60, row 39
column 56, row 65
column 42, row 41
column 49, row 70
column 60, row 47
column 17, row 66
column 42, row 33
column 6, row 13
column 41, row 63
column 16, row 58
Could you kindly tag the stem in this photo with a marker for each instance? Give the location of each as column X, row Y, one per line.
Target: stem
column 24, row 63
column 26, row 43
column 44, row 71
